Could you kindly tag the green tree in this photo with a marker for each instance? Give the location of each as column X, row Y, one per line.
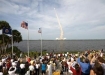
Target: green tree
column 4, row 24
column 5, row 40
column 17, row 37
column 3, row 43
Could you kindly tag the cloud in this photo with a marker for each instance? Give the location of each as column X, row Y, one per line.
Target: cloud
column 76, row 17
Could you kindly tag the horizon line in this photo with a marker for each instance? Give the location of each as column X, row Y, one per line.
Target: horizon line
column 66, row 39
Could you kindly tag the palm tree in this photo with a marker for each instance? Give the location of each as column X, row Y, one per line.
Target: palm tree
column 4, row 44
column 5, row 40
column 2, row 25
column 1, row 43
column 17, row 37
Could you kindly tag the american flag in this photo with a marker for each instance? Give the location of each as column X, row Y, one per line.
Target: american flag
column 24, row 25
column 39, row 31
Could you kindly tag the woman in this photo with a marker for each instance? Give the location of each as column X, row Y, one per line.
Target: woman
column 97, row 69
column 76, row 69
column 102, row 62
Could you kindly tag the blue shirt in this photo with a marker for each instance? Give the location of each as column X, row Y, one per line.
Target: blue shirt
column 85, row 67
column 44, row 67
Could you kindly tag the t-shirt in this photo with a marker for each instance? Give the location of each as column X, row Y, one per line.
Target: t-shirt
column 31, row 68
column 22, row 66
column 43, row 66
column 1, row 73
column 37, row 66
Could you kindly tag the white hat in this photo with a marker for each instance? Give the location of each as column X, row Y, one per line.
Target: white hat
column 76, row 54
column 12, row 72
column 13, row 63
column 3, row 60
column 11, row 60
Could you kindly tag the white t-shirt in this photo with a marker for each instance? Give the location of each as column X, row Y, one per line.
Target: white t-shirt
column 3, row 60
column 1, row 73
column 37, row 66
column 31, row 68
column 22, row 66
column 101, row 54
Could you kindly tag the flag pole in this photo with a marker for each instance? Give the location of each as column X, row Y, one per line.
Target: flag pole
column 3, row 42
column 25, row 25
column 12, row 42
column 28, row 42
column 41, row 44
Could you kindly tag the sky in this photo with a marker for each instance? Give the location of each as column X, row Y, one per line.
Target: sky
column 80, row 19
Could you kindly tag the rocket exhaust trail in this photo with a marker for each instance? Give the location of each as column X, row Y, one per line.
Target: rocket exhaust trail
column 61, row 34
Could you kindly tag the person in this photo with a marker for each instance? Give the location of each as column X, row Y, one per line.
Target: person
column 12, row 71
column 1, row 73
column 43, row 68
column 37, row 66
column 22, row 68
column 8, row 64
column 101, row 53
column 97, row 69
column 49, row 69
column 85, row 66
column 76, row 69
column 54, row 65
column 32, row 68
column 102, row 62
column 69, row 66
column 64, row 66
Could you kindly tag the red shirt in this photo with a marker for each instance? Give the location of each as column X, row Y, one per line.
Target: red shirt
column 8, row 65
column 29, row 60
column 75, row 72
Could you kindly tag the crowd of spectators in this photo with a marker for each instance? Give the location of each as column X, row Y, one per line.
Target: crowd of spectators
column 88, row 62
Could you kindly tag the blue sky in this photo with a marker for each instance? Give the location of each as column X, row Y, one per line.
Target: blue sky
column 80, row 19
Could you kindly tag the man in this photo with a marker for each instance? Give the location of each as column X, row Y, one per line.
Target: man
column 85, row 66
column 43, row 68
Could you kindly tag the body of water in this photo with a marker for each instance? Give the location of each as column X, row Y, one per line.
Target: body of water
column 61, row 45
